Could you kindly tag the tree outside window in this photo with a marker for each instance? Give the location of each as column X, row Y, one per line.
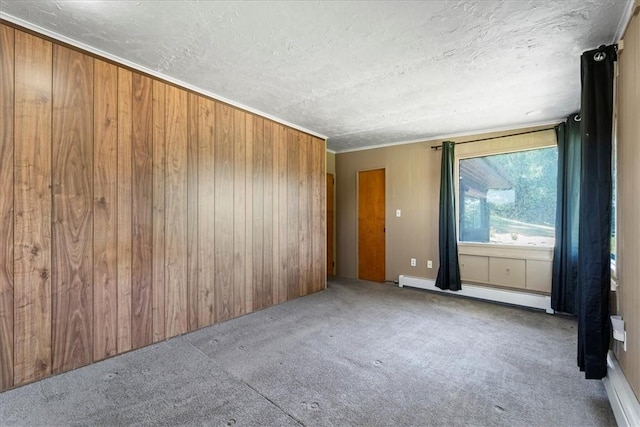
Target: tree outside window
column 510, row 198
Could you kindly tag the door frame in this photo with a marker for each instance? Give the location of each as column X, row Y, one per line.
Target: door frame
column 331, row 263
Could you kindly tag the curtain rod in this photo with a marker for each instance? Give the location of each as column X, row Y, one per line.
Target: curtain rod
column 436, row 147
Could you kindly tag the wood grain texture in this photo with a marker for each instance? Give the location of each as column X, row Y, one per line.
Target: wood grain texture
column 192, row 211
column 239, row 212
column 267, row 214
column 7, row 74
column 223, row 260
column 125, row 232
column 158, row 260
column 282, row 217
column 304, row 214
column 206, row 211
column 176, row 212
column 72, row 232
column 257, row 217
column 275, row 218
column 293, row 188
column 371, row 225
column 135, row 211
column 249, row 215
column 142, row 211
column 318, row 215
column 105, row 209
column 32, row 205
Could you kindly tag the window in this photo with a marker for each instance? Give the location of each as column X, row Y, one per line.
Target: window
column 614, row 178
column 614, row 197
column 509, row 199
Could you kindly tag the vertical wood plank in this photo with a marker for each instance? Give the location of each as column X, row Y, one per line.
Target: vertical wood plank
column 224, row 212
column 32, row 204
column 283, row 224
column 248, row 258
column 258, row 202
column 176, row 212
column 304, row 219
column 318, row 216
column 206, row 212
column 105, row 208
column 275, row 218
column 125, row 81
column 267, row 214
column 72, row 232
column 142, row 211
column 192, row 211
column 322, row 165
column 6, row 204
column 239, row 212
column 293, row 171
column 158, row 259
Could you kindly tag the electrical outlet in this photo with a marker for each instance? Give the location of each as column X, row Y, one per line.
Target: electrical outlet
column 398, row 213
column 413, row 262
column 429, row 264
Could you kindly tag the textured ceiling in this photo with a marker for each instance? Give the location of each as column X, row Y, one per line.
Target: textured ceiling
column 361, row 73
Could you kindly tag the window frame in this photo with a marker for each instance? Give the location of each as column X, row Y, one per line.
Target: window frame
column 536, row 138
column 614, row 178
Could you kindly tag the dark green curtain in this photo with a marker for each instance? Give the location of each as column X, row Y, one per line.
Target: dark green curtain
column 564, row 281
column 594, row 272
column 449, row 271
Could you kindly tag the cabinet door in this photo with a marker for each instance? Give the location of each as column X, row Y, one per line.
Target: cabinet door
column 539, row 275
column 474, row 268
column 507, row 272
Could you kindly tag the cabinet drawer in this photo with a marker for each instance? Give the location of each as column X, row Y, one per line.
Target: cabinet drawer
column 507, row 272
column 474, row 268
column 539, row 275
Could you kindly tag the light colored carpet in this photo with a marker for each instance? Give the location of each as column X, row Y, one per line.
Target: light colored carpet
column 358, row 353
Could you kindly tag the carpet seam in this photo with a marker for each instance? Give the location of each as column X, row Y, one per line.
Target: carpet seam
column 273, row 403
column 242, row 381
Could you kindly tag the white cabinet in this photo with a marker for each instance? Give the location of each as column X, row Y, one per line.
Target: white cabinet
column 508, row 267
column 539, row 275
column 507, row 272
column 474, row 268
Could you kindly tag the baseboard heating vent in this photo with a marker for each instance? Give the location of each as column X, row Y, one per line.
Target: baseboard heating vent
column 624, row 403
column 525, row 299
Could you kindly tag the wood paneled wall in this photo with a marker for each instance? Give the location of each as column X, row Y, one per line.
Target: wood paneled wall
column 132, row 211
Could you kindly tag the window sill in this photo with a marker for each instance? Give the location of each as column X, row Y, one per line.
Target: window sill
column 506, row 251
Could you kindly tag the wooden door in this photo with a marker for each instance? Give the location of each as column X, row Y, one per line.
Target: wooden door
column 371, row 225
column 330, row 263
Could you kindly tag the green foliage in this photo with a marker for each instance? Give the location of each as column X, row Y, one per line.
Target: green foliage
column 533, row 174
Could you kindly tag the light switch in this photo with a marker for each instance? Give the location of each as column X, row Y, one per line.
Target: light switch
column 398, row 213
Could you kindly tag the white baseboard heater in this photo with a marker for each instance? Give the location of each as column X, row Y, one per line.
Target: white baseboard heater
column 524, row 299
column 624, row 403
